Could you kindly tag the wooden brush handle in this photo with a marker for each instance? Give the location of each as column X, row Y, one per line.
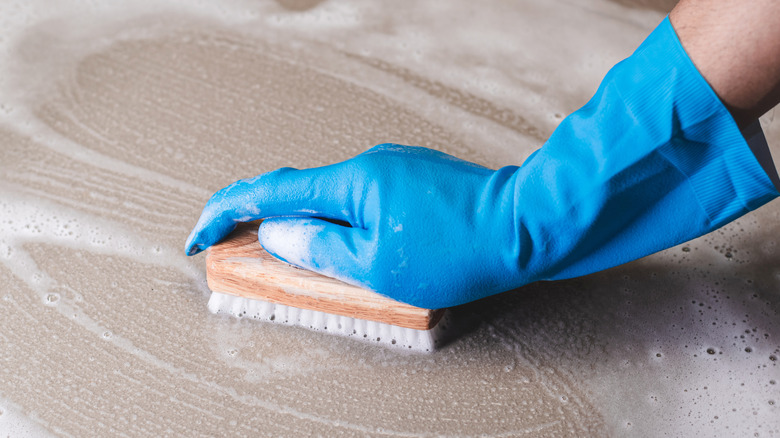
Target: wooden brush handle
column 240, row 266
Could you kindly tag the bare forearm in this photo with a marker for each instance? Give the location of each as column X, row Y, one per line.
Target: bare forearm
column 735, row 44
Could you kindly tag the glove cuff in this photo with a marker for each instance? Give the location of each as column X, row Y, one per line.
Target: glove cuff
column 652, row 160
column 706, row 144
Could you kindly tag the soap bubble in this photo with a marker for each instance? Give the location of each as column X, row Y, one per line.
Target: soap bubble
column 51, row 299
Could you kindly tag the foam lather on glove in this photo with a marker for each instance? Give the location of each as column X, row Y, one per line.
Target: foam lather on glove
column 652, row 160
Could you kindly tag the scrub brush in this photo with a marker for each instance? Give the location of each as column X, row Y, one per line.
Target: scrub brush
column 247, row 282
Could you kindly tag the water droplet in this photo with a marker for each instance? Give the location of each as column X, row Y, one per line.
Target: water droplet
column 710, row 351
column 107, row 335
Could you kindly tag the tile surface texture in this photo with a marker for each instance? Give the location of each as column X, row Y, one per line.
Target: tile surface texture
column 117, row 121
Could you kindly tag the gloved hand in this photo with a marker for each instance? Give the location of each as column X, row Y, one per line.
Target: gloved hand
column 654, row 159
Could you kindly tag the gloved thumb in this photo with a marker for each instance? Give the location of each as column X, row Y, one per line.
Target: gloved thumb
column 315, row 244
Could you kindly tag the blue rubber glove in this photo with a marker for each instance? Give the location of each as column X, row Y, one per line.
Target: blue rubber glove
column 652, row 160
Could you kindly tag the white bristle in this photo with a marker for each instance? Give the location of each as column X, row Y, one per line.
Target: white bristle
column 371, row 331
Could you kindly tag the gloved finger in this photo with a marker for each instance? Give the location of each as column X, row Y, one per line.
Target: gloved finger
column 317, row 245
column 324, row 192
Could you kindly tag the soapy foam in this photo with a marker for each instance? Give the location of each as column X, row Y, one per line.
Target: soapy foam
column 14, row 424
column 291, row 240
column 118, row 120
